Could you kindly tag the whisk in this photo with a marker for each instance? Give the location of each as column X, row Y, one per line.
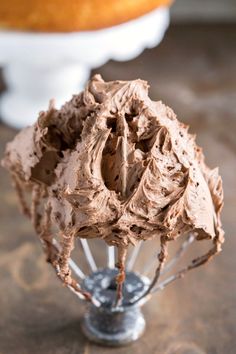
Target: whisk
column 113, row 165
column 110, row 321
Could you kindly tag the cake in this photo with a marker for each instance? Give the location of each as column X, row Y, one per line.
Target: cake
column 71, row 15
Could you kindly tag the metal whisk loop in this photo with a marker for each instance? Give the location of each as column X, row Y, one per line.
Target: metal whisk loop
column 130, row 264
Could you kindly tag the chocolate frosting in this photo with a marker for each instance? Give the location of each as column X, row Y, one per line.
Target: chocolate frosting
column 113, row 164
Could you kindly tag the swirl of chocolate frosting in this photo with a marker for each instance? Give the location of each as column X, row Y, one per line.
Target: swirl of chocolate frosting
column 113, row 164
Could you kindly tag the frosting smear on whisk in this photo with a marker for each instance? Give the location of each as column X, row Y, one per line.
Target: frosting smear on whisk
column 113, row 164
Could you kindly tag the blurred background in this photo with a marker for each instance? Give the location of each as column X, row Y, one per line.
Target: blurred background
column 190, row 68
column 186, row 11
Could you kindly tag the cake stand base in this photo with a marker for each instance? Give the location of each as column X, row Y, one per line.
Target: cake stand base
column 40, row 66
column 31, row 88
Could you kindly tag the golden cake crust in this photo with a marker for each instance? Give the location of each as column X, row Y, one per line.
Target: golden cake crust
column 71, row 15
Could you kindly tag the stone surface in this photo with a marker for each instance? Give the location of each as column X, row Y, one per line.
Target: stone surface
column 193, row 71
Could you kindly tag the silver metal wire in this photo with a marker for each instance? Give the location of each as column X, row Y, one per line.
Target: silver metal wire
column 88, row 254
column 154, row 285
column 110, row 256
column 76, row 269
column 134, row 255
column 179, row 253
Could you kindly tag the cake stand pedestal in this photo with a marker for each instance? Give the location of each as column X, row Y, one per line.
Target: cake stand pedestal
column 39, row 66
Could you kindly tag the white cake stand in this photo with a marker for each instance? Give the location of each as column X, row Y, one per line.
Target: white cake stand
column 38, row 67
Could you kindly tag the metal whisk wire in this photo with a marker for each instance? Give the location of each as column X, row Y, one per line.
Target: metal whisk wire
column 110, row 252
column 42, row 224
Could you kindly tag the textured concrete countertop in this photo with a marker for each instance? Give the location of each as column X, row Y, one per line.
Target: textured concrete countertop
column 194, row 72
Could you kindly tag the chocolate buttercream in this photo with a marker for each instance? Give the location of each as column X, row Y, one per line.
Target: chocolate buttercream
column 113, row 164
